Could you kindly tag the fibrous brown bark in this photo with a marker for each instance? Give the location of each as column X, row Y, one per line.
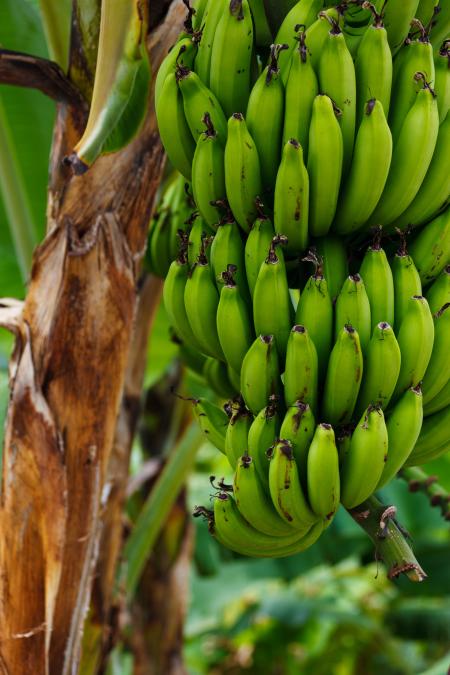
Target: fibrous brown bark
column 67, row 377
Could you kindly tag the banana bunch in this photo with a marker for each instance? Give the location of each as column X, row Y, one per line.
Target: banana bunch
column 312, row 146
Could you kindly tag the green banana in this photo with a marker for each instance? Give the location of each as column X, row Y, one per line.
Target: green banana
column 231, row 57
column 234, row 325
column 411, row 158
column 228, row 249
column 301, row 373
column 323, row 473
column 216, row 376
column 373, row 68
column 403, row 425
column 298, row 428
column 315, row 311
column 301, row 89
column 173, row 127
column 260, row 373
column 212, row 421
column 211, row 17
column 353, row 308
column 415, row 339
column 286, row 490
column 397, row 17
column 197, row 19
column 343, row 379
column 159, row 257
column 434, row 439
column 441, row 27
column 201, row 300
column 234, row 378
column 406, row 283
column 438, row 294
column 379, row 283
column 236, row 437
column 325, row 142
column 435, row 189
column 261, row 437
column 208, row 174
column 263, row 32
column 266, row 129
column 200, row 237
column 426, row 10
column 183, row 52
column 439, row 402
column 317, row 33
column 430, row 250
column 381, row 369
column 437, row 373
column 271, row 290
column 242, row 172
column 291, row 203
column 198, row 100
column 256, row 247
column 368, row 172
column 303, row 13
column 343, row 443
column 364, row 463
column 335, row 265
column 253, row 503
column 337, row 80
column 442, row 80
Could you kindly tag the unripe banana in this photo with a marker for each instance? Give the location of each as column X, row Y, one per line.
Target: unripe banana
column 364, row 463
column 234, row 324
column 260, row 373
column 236, row 437
column 158, row 256
column 271, row 290
column 441, row 27
column 298, row 428
column 211, row 17
column 200, row 237
column 415, row 339
column 406, row 284
column 325, row 142
column 173, row 293
column 438, row 294
column 317, row 33
column 434, row 192
column 291, row 204
column 442, row 80
column 286, row 490
column 253, row 503
column 228, row 249
column 343, row 443
column 434, row 439
column 373, row 68
column 208, row 174
column 403, row 425
column 368, row 172
column 301, row 373
column 343, row 379
column 397, row 16
column 216, row 376
column 323, row 473
column 335, row 265
column 242, row 172
column 261, row 437
column 235, row 378
column 437, row 373
column 425, row 11
column 263, row 32
column 231, row 57
column 212, row 421
column 173, row 127
column 301, row 89
column 266, row 129
column 430, row 250
column 201, row 299
column 304, row 12
column 256, row 247
column 411, row 158
column 183, row 52
column 379, row 284
column 439, row 402
column 197, row 19
column 198, row 100
column 353, row 308
column 315, row 311
column 337, row 80
column 381, row 369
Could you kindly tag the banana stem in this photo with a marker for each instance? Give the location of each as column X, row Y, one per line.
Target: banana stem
column 419, row 481
column 390, row 539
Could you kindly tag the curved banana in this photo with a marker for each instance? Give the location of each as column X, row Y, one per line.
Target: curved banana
column 272, row 290
column 200, row 237
column 333, row 253
column 323, row 473
column 430, row 250
column 183, row 53
column 301, row 373
column 381, row 369
column 406, row 284
column 242, row 172
column 442, row 80
column 216, row 377
column 379, row 283
column 438, row 294
column 325, row 142
column 434, row 438
column 228, row 249
column 198, row 100
column 236, row 436
column 364, row 463
column 231, row 57
column 212, row 421
column 260, row 373
column 200, row 8
column 353, row 308
column 261, row 437
column 158, row 254
column 173, row 127
column 298, row 428
column 234, row 324
column 211, row 17
column 368, row 172
column 317, row 33
column 263, row 32
column 208, row 173
column 343, row 379
column 397, row 17
column 256, row 247
column 437, row 372
column 439, row 402
column 415, row 339
column 173, row 294
column 303, row 13
column 291, row 203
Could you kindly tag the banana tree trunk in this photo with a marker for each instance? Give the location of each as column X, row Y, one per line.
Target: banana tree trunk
column 67, row 372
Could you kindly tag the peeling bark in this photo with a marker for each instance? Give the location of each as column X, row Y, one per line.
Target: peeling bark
column 72, row 348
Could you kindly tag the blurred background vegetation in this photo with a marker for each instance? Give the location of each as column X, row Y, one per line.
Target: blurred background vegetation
column 327, row 611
